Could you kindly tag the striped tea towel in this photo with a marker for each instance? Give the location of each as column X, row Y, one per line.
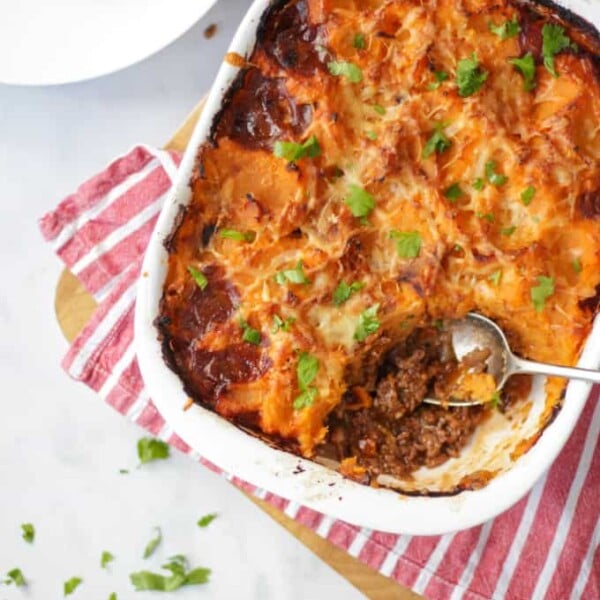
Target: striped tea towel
column 546, row 546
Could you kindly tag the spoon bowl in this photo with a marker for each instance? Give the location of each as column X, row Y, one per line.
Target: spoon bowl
column 476, row 332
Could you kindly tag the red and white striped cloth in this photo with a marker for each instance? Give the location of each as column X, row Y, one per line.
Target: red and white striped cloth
column 547, row 546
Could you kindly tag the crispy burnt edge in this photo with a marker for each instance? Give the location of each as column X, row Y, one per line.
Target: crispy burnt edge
column 588, row 36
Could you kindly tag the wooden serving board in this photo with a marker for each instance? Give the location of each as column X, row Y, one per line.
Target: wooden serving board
column 74, row 306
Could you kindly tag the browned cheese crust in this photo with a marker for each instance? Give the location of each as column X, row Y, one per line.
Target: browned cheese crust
column 428, row 175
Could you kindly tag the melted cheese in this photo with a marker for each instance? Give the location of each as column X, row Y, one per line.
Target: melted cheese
column 548, row 138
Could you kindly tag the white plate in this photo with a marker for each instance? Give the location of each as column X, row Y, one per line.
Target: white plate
column 314, row 485
column 45, row 42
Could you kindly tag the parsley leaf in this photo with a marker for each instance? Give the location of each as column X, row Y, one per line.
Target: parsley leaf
column 153, row 543
column 371, row 135
column 507, row 30
column 250, row 335
column 360, row 202
column 113, row 596
column 489, row 217
column 453, row 192
column 508, row 230
column 359, row 41
column 106, row 558
column 478, row 184
column 496, row 277
column 493, row 177
column 577, row 267
column 238, row 236
column 541, row 292
column 28, row 532
column 180, row 576
column 379, row 109
column 295, row 275
column 150, row 449
column 15, row 576
column 306, row 371
column 527, row 195
column 368, row 323
column 198, row 277
column 283, row 324
column 343, row 291
column 292, row 151
column 438, row 142
column 495, row 399
column 71, row 585
column 469, row 76
column 526, row 65
column 346, row 69
column 206, row 520
column 554, row 40
column 408, row 243
column 440, row 77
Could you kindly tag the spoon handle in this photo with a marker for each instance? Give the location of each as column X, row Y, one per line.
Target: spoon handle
column 521, row 365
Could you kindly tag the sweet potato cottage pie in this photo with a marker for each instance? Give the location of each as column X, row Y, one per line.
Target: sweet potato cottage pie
column 376, row 170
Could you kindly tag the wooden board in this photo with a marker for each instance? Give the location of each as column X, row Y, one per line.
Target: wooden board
column 74, row 307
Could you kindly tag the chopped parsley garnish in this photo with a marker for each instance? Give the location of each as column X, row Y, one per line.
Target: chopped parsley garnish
column 15, row 576
column 368, row 323
column 527, row 195
column 206, row 520
column 508, row 230
column 250, row 335
column 150, row 449
column 496, row 277
column 379, row 109
column 106, row 558
column 238, row 236
column 493, row 177
column 440, row 77
column 495, row 399
column 198, row 277
column 489, row 217
column 438, row 142
column 577, row 267
column 438, row 324
column 526, row 66
column 283, row 324
column 346, row 69
column 343, row 291
column 28, row 532
column 453, row 192
column 360, row 202
column 71, row 585
column 306, row 371
column 371, row 135
column 359, row 41
column 153, row 543
column 469, row 76
column 295, row 275
column 180, row 576
column 507, row 30
column 554, row 40
column 292, row 151
column 478, row 184
column 541, row 292
column 408, row 243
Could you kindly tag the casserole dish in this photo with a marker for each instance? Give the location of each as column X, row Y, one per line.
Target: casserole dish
column 505, row 448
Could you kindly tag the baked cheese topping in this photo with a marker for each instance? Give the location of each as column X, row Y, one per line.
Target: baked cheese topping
column 376, row 167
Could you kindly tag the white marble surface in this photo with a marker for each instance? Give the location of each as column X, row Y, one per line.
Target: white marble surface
column 61, row 448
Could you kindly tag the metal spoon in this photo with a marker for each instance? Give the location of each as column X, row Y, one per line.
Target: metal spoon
column 476, row 331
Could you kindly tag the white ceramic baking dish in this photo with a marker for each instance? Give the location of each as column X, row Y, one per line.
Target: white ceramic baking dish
column 315, row 485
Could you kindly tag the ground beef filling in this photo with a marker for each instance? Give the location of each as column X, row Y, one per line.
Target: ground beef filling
column 384, row 427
